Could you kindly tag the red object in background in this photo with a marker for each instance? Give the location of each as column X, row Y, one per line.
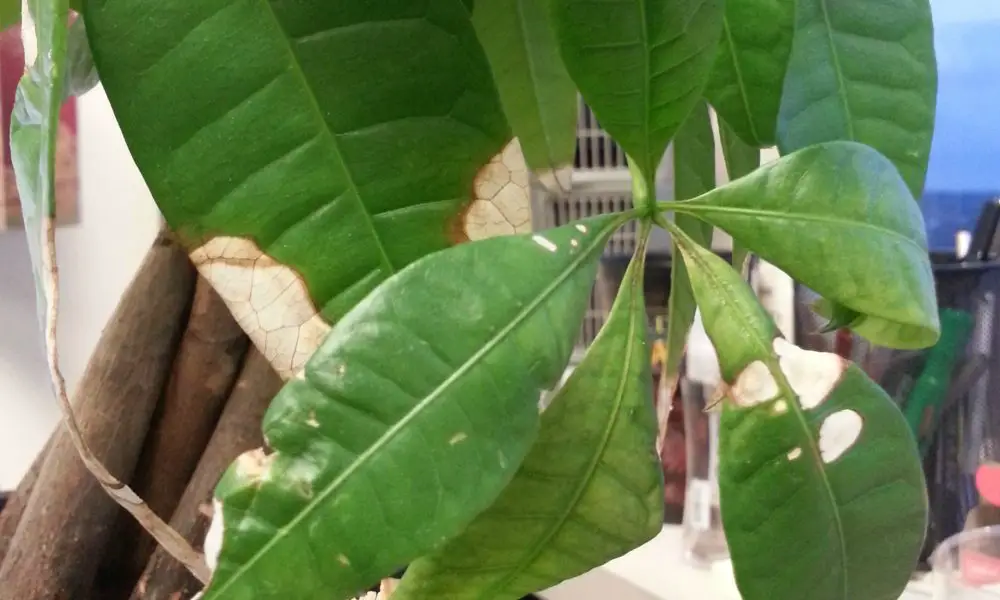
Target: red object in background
column 67, row 173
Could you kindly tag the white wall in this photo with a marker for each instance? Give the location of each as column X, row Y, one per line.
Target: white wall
column 97, row 258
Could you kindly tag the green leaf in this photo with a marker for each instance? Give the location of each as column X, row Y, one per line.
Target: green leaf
column 694, row 174
column 863, row 71
column 590, row 490
column 844, row 526
column 736, row 323
column 820, row 481
column 34, row 129
column 641, row 65
column 81, row 74
column 306, row 151
column 745, row 84
column 410, row 419
column 741, row 160
column 821, row 215
column 537, row 93
column 10, row 13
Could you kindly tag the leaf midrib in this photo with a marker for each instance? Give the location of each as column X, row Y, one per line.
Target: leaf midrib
column 740, row 83
column 646, row 89
column 533, row 75
column 694, row 209
column 329, row 133
column 786, row 390
column 835, row 58
column 540, row 546
column 390, row 434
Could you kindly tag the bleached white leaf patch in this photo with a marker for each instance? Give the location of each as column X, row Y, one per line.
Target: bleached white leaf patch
column 838, row 433
column 754, row 385
column 812, row 375
column 502, row 204
column 213, row 539
column 269, row 300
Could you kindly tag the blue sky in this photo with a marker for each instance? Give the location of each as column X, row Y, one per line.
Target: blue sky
column 965, row 156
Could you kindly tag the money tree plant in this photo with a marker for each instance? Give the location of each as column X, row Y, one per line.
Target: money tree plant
column 354, row 178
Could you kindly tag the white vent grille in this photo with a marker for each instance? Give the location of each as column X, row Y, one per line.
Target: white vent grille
column 595, row 150
column 601, row 184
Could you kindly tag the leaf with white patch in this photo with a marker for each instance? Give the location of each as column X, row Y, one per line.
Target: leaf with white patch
column 590, row 490
column 409, row 420
column 798, row 212
column 538, row 95
column 863, row 71
column 329, row 168
column 641, row 65
column 821, row 486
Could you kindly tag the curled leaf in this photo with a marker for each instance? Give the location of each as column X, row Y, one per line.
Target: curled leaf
column 837, row 217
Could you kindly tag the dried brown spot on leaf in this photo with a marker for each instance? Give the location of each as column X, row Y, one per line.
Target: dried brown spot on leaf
column 502, row 198
column 269, row 300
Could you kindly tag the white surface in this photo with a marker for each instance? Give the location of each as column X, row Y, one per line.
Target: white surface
column 658, row 571
column 97, row 258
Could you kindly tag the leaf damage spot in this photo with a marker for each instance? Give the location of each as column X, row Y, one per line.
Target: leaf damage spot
column 780, row 407
column 573, row 242
column 503, row 459
column 253, row 465
column 343, row 560
column 581, row 228
column 269, row 300
column 754, row 385
column 838, row 433
column 812, row 375
column 501, row 202
column 557, row 180
column 794, row 453
column 458, row 438
column 544, row 242
column 213, row 539
column 311, row 421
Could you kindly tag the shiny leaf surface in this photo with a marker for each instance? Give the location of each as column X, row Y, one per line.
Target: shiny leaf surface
column 310, row 149
column 745, row 84
column 410, row 419
column 538, row 95
column 641, row 65
column 590, row 490
column 820, row 215
column 863, row 71
column 821, row 484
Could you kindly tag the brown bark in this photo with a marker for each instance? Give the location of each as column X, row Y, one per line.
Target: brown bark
column 11, row 514
column 206, row 366
column 238, row 431
column 65, row 527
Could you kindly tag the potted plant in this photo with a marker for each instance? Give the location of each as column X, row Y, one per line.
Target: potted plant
column 353, row 180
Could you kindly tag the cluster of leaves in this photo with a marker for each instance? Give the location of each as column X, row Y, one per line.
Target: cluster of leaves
column 331, row 146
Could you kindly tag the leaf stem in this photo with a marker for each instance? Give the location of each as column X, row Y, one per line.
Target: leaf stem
column 643, row 190
column 122, row 494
